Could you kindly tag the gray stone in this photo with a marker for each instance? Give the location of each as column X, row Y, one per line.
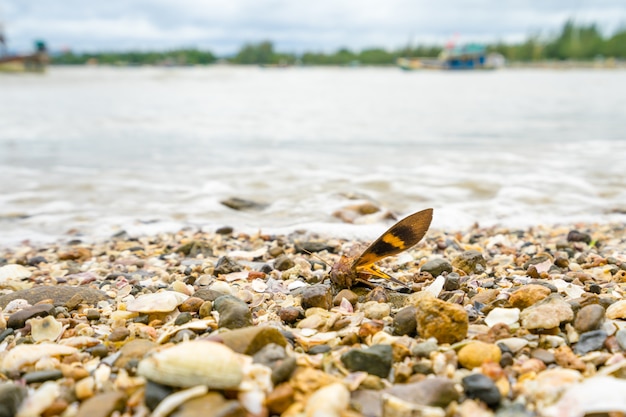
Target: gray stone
column 481, row 387
column 434, row 392
column 42, row 376
column 590, row 341
column 225, row 265
column 376, row 360
column 436, row 267
column 11, row 396
column 234, row 313
column 18, row 319
column 576, row 236
column 621, row 338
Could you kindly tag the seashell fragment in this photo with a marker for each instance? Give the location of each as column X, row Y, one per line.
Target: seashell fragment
column 13, row 272
column 171, row 402
column 45, row 328
column 41, row 399
column 22, row 355
column 159, row 302
column 328, row 401
column 197, row 362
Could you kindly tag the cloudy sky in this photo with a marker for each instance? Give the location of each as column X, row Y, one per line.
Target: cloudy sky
column 222, row 26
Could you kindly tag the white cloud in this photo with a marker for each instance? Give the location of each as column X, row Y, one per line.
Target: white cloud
column 222, row 26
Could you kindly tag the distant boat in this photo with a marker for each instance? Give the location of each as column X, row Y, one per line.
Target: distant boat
column 35, row 62
column 465, row 57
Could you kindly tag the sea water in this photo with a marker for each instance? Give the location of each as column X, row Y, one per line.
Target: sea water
column 91, row 151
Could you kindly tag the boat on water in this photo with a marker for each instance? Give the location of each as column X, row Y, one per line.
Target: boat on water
column 456, row 57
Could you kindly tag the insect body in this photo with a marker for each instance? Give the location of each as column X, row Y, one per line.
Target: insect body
column 400, row 237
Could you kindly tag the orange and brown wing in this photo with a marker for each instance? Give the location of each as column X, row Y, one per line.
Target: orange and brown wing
column 400, row 237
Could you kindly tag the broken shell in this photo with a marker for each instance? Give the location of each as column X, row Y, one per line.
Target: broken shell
column 160, row 302
column 45, row 328
column 328, row 401
column 197, row 362
column 13, row 272
column 22, row 355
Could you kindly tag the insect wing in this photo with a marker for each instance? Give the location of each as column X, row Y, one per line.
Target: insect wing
column 400, row 237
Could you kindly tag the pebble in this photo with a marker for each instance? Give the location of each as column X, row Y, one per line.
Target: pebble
column 470, row 262
column 11, row 397
column 592, row 340
column 436, row 392
column 589, row 318
column 191, row 305
column 375, row 310
column 102, row 405
column 155, row 393
column 317, row 296
column 475, row 353
column 42, row 376
column 547, row 314
column 375, row 360
column 436, row 267
column 250, row 340
column 119, row 334
column 481, row 387
column 446, row 322
column 404, row 322
column 234, row 313
column 528, row 295
column 290, row 315
column 225, row 266
column 348, row 295
column 18, row 320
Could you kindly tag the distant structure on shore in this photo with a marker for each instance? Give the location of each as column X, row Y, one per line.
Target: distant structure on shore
column 456, row 57
column 34, row 62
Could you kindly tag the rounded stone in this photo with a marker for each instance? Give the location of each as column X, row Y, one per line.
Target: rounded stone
column 589, row 318
column 481, row 387
column 191, row 304
column 436, row 267
column 475, row 353
column 348, row 295
column 404, row 322
column 234, row 313
column 290, row 315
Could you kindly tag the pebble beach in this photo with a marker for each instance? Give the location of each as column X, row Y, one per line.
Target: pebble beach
column 490, row 322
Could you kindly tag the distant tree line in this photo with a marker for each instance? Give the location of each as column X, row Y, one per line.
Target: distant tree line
column 573, row 42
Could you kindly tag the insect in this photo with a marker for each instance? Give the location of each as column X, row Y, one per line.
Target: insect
column 400, row 237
